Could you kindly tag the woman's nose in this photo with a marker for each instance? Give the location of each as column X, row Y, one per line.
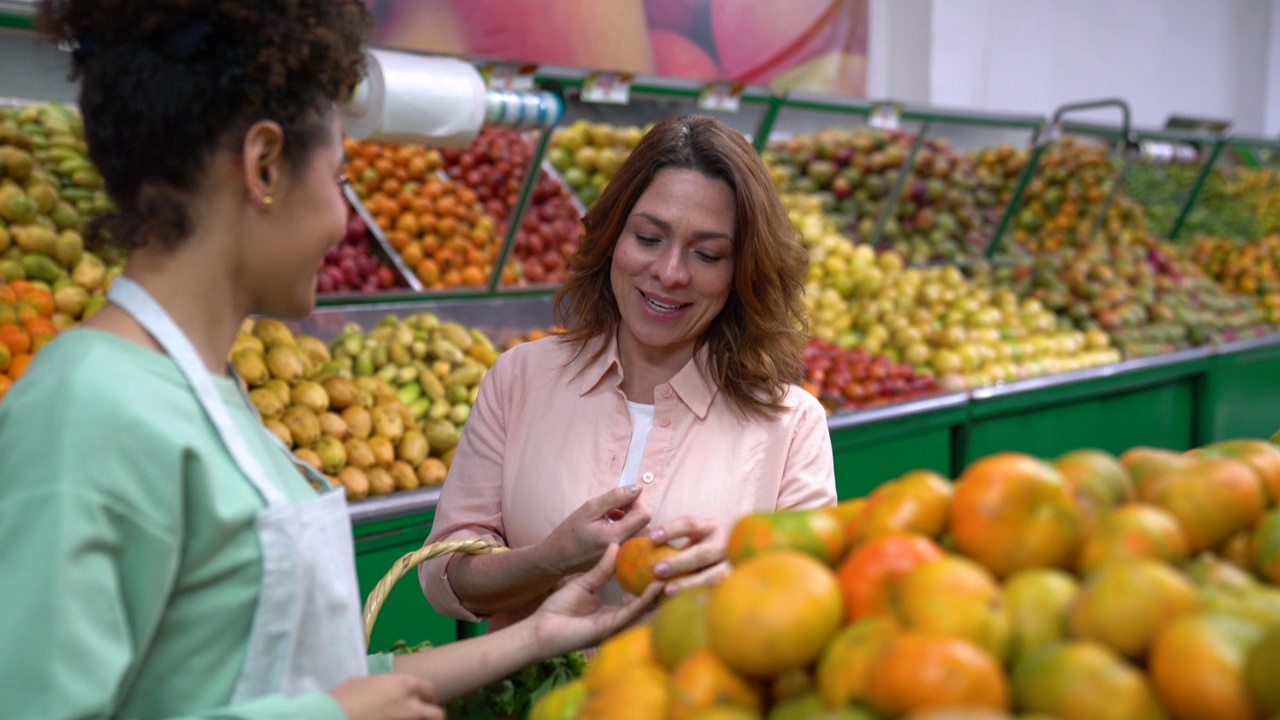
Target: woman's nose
column 670, row 269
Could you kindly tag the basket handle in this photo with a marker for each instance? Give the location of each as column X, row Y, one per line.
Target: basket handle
column 409, row 561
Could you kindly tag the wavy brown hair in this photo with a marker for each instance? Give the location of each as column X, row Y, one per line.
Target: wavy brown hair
column 755, row 343
column 166, row 83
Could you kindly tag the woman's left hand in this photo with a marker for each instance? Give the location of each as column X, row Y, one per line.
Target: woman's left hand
column 701, row 558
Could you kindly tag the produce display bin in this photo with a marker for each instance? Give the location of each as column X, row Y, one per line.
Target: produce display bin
column 874, row 446
column 1241, row 396
column 386, row 528
column 1149, row 401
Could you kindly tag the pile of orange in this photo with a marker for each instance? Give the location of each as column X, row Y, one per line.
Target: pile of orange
column 437, row 225
column 1089, row 586
column 25, row 327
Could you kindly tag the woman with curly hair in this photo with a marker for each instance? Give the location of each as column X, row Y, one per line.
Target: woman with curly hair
column 671, row 405
column 161, row 557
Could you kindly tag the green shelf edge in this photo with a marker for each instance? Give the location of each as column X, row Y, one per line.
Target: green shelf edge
column 1087, row 388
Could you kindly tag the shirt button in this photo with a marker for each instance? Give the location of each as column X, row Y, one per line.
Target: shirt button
column 666, row 392
column 665, row 422
column 613, row 461
column 648, row 477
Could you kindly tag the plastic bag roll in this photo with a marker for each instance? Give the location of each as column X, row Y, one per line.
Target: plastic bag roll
column 406, row 98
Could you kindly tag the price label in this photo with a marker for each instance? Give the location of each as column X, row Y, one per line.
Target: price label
column 607, row 87
column 721, row 96
column 512, row 78
column 886, row 116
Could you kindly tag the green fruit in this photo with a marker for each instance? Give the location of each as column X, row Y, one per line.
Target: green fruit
column 40, row 267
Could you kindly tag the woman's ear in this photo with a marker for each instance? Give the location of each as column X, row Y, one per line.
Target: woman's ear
column 263, row 161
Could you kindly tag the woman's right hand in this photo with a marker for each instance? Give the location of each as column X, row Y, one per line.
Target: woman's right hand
column 393, row 696
column 578, row 542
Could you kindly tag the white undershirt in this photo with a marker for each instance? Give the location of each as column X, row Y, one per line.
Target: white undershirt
column 641, row 424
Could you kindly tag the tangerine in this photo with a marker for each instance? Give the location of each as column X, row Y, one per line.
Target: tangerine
column 956, row 596
column 813, row 532
column 1197, row 667
column 680, row 626
column 1012, row 511
column 1099, row 482
column 844, row 669
column 636, row 561
column 918, row 502
column 1131, row 532
column 773, row 613
column 703, row 682
column 1037, row 601
column 1125, row 604
column 872, row 574
column 1082, row 680
column 918, row 672
column 1212, row 499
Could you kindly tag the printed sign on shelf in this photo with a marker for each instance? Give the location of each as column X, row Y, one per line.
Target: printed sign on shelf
column 886, row 116
column 607, row 87
column 721, row 96
column 512, row 78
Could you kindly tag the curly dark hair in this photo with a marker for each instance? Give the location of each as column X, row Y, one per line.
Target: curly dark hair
column 757, row 340
column 166, row 83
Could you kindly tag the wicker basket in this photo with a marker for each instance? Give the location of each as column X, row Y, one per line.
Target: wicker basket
column 373, row 605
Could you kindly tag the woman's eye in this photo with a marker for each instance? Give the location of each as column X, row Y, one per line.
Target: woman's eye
column 646, row 240
column 709, row 258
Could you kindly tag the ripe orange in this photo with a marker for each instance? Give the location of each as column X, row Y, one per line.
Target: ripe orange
column 957, row 597
column 918, row 502
column 917, row 672
column 1264, row 545
column 1261, row 456
column 5, row 384
column 1037, row 601
column 638, row 693
column 1013, row 511
column 15, row 338
column 1262, row 672
column 1212, row 500
column 774, row 613
column 813, row 532
column 1147, row 465
column 1197, row 667
column 1125, row 604
column 560, row 703
column 636, row 561
column 680, row 626
column 19, row 365
column 1133, row 531
column 703, row 682
column 872, row 574
column 619, row 655
column 1082, row 680
column 844, row 669
column 1097, row 480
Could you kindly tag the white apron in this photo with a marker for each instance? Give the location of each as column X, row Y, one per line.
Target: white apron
column 306, row 634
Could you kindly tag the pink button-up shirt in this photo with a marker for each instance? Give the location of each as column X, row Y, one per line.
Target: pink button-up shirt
column 550, row 431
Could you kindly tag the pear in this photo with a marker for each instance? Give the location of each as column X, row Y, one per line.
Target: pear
column 280, row 431
column 285, row 362
column 355, row 482
column 304, row 425
column 359, row 422
column 380, row 481
column 273, row 332
column 308, row 456
column 359, row 454
column 431, row 472
column 250, row 367
column 342, row 392
column 332, row 453
column 268, row 405
column 413, row 447
column 333, row 425
column 310, row 394
column 387, row 422
column 403, row 475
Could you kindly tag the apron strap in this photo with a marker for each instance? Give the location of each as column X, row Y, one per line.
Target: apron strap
column 137, row 302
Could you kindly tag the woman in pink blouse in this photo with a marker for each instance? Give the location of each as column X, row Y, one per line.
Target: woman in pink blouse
column 671, row 406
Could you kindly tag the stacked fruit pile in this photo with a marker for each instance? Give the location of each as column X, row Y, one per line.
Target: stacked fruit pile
column 853, row 379
column 852, row 173
column 1145, row 294
column 1062, row 203
column 963, row 331
column 996, row 171
column 587, row 155
column 493, row 166
column 1087, row 587
column 26, row 326
column 1252, row 269
column 438, row 226
column 378, row 412
column 353, row 265
column 1222, row 207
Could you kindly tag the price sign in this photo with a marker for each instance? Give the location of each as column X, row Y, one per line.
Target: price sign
column 721, row 96
column 512, row 78
column 607, row 87
column 886, row 116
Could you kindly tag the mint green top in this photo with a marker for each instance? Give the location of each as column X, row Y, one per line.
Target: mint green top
column 128, row 553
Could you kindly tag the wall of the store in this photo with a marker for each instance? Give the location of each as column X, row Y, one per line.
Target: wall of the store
column 1188, row 57
column 33, row 68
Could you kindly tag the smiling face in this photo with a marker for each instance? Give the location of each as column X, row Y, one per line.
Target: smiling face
column 673, row 266
column 305, row 220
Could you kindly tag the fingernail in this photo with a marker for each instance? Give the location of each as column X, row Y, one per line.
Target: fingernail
column 662, row 569
column 659, row 537
column 633, row 490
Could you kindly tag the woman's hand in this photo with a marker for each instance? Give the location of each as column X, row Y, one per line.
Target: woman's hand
column 577, row 543
column 701, row 557
column 387, row 697
column 572, row 618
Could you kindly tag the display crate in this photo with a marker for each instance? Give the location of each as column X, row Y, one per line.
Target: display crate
column 1149, row 401
column 871, row 447
column 1241, row 397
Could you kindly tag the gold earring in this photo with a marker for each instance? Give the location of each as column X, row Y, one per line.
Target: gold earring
column 267, row 200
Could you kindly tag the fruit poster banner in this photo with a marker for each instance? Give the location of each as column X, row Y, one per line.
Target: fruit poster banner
column 817, row 45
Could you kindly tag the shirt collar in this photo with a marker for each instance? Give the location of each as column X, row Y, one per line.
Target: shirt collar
column 693, row 385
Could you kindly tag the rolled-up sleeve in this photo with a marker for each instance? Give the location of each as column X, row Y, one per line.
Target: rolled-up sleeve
column 471, row 500
column 809, row 476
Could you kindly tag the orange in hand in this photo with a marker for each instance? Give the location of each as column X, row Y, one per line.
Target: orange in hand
column 636, row 560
